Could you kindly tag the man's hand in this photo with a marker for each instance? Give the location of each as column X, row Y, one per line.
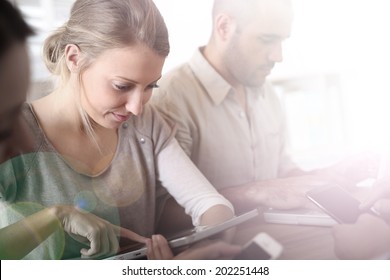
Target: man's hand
column 281, row 193
column 352, row 170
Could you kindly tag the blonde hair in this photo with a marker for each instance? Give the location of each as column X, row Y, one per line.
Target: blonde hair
column 99, row 25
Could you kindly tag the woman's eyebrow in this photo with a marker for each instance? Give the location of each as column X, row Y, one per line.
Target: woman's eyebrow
column 135, row 82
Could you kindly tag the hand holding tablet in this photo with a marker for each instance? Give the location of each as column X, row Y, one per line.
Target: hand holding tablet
column 190, row 236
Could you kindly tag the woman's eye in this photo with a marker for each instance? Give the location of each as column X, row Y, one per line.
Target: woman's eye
column 153, row 86
column 121, row 87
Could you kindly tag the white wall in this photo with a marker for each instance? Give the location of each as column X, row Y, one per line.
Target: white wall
column 351, row 38
column 345, row 38
column 189, row 26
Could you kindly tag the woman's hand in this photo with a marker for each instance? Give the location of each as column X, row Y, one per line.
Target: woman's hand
column 158, row 248
column 85, row 227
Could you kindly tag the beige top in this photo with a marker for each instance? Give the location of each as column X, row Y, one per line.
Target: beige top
column 229, row 145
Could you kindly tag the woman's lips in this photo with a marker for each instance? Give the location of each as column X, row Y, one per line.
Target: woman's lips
column 121, row 118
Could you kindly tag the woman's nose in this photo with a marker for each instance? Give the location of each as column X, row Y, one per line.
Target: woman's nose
column 134, row 103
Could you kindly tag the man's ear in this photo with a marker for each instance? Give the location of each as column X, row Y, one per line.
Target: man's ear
column 224, row 26
column 73, row 57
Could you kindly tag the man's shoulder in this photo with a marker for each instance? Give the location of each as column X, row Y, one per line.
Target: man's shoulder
column 177, row 77
column 178, row 87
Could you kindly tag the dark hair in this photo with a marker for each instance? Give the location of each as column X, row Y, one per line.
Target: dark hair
column 13, row 28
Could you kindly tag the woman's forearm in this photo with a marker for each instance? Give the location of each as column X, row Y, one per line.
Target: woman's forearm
column 216, row 214
column 187, row 184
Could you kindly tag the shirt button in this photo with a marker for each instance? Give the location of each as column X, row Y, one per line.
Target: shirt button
column 125, row 125
column 142, row 140
column 242, row 115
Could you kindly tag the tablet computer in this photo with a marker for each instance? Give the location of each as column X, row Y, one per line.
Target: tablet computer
column 187, row 237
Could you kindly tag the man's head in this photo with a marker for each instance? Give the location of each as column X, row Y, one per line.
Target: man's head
column 247, row 38
column 14, row 72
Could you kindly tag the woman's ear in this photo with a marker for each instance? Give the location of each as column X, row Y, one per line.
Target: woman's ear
column 73, row 57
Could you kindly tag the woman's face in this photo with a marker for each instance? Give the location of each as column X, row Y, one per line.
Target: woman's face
column 14, row 81
column 119, row 83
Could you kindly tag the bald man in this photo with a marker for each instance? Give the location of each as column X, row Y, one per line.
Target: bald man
column 229, row 119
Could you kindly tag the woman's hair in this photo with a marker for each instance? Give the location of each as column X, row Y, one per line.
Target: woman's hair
column 95, row 26
column 98, row 25
column 13, row 28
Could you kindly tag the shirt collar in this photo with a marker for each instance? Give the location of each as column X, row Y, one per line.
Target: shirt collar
column 216, row 86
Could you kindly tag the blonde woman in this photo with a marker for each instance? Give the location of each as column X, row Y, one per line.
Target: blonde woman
column 101, row 152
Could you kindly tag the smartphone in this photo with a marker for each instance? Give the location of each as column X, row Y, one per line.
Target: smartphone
column 302, row 216
column 337, row 203
column 261, row 247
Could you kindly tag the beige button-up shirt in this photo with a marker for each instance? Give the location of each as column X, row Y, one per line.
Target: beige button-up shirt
column 230, row 145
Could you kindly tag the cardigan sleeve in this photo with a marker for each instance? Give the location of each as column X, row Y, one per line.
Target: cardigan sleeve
column 186, row 183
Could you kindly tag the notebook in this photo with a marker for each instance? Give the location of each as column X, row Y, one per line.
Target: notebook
column 187, row 237
column 304, row 216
